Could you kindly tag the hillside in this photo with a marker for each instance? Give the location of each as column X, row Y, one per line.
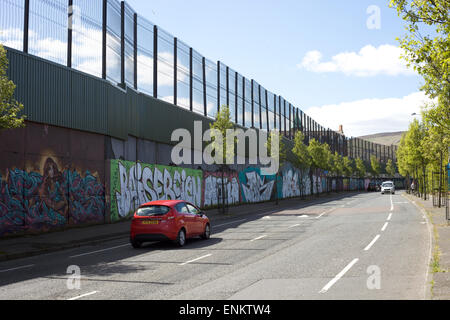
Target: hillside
column 387, row 138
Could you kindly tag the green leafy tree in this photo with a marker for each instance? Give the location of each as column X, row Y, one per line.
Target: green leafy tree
column 360, row 169
column 302, row 157
column 412, row 154
column 348, row 167
column 319, row 158
column 9, row 107
column 427, row 50
column 375, row 166
column 222, row 124
column 390, row 168
column 338, row 164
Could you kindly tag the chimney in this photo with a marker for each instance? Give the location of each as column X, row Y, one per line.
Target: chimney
column 341, row 129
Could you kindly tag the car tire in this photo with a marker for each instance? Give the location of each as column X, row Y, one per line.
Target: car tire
column 207, row 234
column 136, row 244
column 181, row 238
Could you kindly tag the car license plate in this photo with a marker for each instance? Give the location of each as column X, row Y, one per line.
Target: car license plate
column 150, row 222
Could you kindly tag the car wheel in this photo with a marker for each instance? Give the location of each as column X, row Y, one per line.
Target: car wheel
column 207, row 234
column 136, row 244
column 181, row 238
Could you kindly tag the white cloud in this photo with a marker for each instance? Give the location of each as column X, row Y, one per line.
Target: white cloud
column 370, row 116
column 368, row 62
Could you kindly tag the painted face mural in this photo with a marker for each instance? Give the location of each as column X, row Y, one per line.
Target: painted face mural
column 135, row 184
column 30, row 201
column 213, row 188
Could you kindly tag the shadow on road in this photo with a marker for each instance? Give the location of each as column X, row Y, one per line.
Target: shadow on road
column 110, row 262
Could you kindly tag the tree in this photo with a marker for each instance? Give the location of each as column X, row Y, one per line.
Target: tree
column 319, row 158
column 222, row 124
column 375, row 166
column 338, row 165
column 302, row 157
column 9, row 107
column 361, row 169
column 412, row 152
column 390, row 168
column 429, row 54
column 282, row 153
column 348, row 166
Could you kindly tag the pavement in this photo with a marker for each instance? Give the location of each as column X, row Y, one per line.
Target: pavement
column 30, row 245
column 441, row 247
column 344, row 246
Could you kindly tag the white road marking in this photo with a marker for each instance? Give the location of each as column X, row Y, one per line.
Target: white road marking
column 384, row 227
column 259, row 238
column 392, row 204
column 295, row 225
column 304, row 216
column 97, row 251
column 339, row 276
column 84, row 295
column 18, row 268
column 389, row 218
column 372, row 243
column 266, row 218
column 225, row 224
column 190, row 261
column 321, row 215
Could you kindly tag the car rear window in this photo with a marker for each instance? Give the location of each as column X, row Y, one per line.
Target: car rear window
column 152, row 211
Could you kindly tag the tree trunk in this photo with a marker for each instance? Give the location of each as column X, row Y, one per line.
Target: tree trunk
column 223, row 191
column 440, row 180
column 276, row 189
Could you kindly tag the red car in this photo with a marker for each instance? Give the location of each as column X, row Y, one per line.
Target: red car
column 164, row 220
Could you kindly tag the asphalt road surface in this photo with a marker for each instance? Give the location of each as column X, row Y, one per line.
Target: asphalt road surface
column 364, row 246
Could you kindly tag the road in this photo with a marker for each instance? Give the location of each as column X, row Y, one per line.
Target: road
column 364, row 246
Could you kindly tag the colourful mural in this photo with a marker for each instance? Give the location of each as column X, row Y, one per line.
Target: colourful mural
column 31, row 201
column 212, row 184
column 133, row 184
column 256, row 187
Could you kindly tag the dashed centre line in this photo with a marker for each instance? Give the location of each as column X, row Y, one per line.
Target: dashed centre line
column 259, row 238
column 385, row 226
column 372, row 243
column 97, row 251
column 18, row 268
column 83, row 295
column 193, row 260
column 339, row 276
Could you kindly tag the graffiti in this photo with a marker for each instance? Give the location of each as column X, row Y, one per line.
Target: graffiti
column 134, row 184
column 291, row 184
column 256, row 188
column 213, row 188
column 318, row 184
column 30, row 201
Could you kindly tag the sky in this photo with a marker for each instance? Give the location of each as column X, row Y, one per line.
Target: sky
column 338, row 61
